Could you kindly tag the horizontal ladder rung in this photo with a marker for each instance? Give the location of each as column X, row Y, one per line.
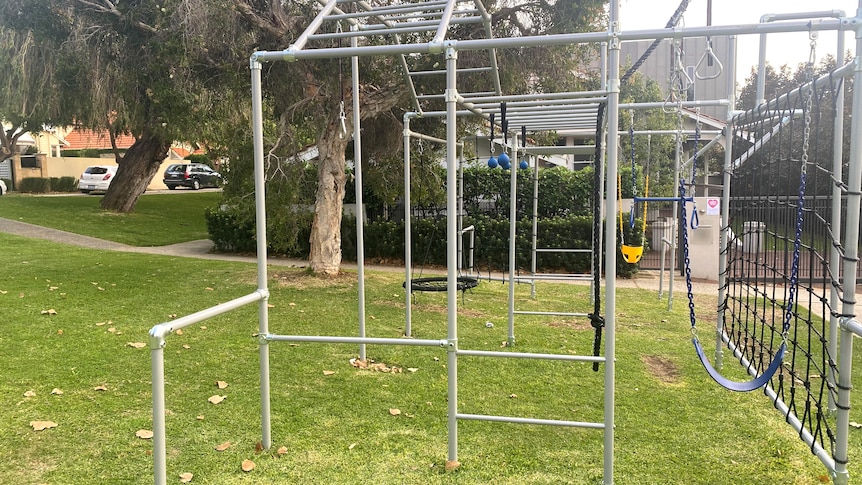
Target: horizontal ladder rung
column 527, row 355
column 547, row 422
column 557, row 277
column 558, row 314
column 562, row 250
column 354, row 340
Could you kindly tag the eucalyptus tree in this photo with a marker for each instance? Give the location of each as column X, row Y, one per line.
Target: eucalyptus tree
column 29, row 99
column 131, row 67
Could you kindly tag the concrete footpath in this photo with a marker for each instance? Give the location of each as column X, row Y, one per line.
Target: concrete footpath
column 203, row 249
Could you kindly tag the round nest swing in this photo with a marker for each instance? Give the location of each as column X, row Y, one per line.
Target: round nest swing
column 440, row 283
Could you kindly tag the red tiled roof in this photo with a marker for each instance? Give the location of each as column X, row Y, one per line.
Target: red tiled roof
column 80, row 139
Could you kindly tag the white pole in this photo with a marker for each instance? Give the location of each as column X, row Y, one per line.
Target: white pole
column 360, row 213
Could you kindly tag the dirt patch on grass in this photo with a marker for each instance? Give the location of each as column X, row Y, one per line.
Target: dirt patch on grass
column 664, row 370
column 303, row 280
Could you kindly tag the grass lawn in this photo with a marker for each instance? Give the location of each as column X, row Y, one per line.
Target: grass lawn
column 75, row 366
column 158, row 219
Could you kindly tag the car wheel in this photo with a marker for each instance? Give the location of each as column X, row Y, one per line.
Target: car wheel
column 171, row 187
column 85, row 191
column 196, row 184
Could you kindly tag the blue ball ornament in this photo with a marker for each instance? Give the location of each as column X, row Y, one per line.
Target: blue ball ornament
column 504, row 160
column 524, row 165
column 507, row 165
column 492, row 162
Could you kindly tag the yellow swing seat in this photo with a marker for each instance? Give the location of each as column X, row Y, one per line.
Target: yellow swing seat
column 632, row 254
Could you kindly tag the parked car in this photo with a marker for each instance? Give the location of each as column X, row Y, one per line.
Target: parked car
column 193, row 175
column 2, row 187
column 97, row 178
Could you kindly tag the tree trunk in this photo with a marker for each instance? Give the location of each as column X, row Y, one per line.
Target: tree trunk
column 136, row 169
column 325, row 255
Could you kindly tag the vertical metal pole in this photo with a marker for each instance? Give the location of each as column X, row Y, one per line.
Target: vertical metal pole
column 730, row 65
column 611, row 238
column 451, row 251
column 851, row 246
column 260, row 227
column 534, row 260
column 408, row 236
column 357, row 171
column 513, row 223
column 760, row 97
column 834, row 253
column 674, row 235
column 460, row 209
column 157, row 362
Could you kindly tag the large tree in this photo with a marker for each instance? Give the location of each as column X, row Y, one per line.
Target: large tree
column 28, row 94
column 127, row 67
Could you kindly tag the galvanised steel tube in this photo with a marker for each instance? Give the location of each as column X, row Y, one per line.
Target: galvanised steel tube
column 613, row 111
column 360, row 213
column 851, row 258
column 547, row 422
column 528, row 355
column 452, row 251
column 355, row 340
column 408, row 237
column 725, row 202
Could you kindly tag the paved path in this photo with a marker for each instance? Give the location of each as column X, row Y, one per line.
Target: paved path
column 203, row 249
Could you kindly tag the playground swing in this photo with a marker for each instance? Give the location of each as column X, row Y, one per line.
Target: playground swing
column 437, row 283
column 632, row 254
column 778, row 358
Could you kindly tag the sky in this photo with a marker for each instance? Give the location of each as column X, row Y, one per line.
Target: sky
column 782, row 49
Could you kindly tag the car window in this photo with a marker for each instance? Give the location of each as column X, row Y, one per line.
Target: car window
column 96, row 170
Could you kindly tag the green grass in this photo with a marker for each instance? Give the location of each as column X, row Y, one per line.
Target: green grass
column 674, row 425
column 158, row 219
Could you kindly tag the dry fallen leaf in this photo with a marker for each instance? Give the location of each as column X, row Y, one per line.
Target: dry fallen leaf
column 112, row 329
column 221, row 384
column 223, row 446
column 52, row 288
column 137, row 345
column 49, row 311
column 852, row 423
column 270, row 305
column 513, row 396
column 60, row 331
column 412, row 369
column 99, row 324
column 101, row 388
column 208, row 288
column 186, row 477
column 394, row 411
column 144, row 434
column 179, row 331
column 328, row 372
column 41, row 425
column 452, row 465
column 30, row 393
column 352, row 445
column 200, row 417
column 187, row 346
column 291, row 304
column 247, row 465
column 203, row 327
column 282, row 450
column 216, row 399
column 56, row 391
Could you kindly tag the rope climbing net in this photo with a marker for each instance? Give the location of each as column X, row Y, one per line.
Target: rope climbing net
column 782, row 288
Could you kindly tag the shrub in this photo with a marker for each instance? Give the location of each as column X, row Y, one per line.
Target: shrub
column 36, row 185
column 64, row 184
column 9, row 184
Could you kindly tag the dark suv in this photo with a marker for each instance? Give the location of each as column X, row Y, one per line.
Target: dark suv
column 194, row 175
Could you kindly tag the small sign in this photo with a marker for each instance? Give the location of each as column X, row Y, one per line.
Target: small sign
column 713, row 206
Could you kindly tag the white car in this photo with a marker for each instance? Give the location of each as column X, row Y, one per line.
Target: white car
column 2, row 187
column 97, row 178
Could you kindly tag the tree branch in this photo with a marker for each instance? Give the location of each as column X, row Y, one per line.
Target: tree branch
column 107, row 7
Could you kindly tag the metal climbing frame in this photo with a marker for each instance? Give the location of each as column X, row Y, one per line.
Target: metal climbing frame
column 383, row 25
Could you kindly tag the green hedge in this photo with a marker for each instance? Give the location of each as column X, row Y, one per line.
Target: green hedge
column 39, row 185
column 385, row 240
